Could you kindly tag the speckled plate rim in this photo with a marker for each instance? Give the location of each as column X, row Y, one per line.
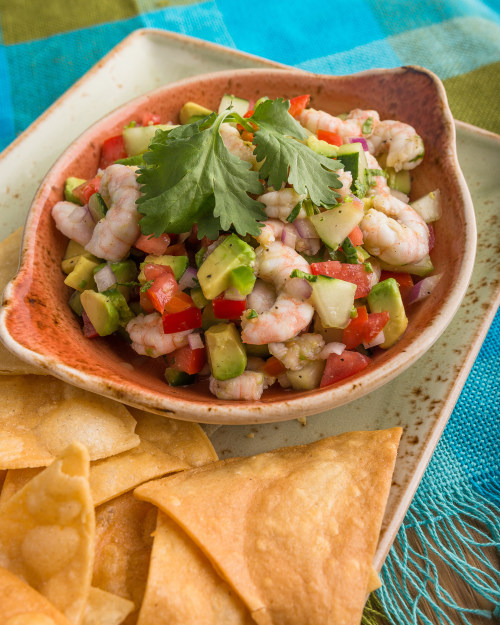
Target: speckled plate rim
column 258, row 412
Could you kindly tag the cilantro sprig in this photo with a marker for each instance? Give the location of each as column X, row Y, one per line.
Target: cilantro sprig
column 189, row 177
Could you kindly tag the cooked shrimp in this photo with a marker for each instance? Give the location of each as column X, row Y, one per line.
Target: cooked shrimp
column 275, row 262
column 73, row 221
column 114, row 235
column 279, row 204
column 315, row 120
column 394, row 232
column 148, row 338
column 380, row 186
column 249, row 385
column 405, row 149
column 256, row 364
column 235, row 144
column 345, row 178
column 262, row 297
column 297, row 352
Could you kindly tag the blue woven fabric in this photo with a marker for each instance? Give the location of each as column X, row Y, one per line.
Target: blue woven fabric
column 455, row 40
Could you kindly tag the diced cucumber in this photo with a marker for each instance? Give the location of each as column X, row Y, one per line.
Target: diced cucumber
column 354, row 160
column 399, row 180
column 321, row 147
column 429, row 206
column 308, row 377
column 335, row 224
column 421, row 268
column 174, row 377
column 137, row 139
column 333, row 300
column 240, row 105
column 97, row 207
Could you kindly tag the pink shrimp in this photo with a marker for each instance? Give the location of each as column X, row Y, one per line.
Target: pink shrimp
column 73, row 221
column 405, row 149
column 148, row 338
column 315, row 120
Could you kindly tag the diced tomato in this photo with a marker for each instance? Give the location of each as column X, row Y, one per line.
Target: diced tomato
column 150, row 119
column 247, row 136
column 249, row 113
column 273, row 367
column 153, row 271
column 375, row 324
column 353, row 334
column 186, row 359
column 356, row 274
column 86, row 189
column 179, row 249
column 356, row 236
column 339, row 367
column 188, row 319
column 145, row 303
column 153, row 245
column 298, row 104
column 112, row 150
column 228, row 308
column 179, row 302
column 404, row 280
column 246, row 116
column 88, row 328
column 162, row 290
column 330, row 137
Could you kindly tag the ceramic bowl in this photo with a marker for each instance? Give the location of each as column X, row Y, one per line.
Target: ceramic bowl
column 37, row 324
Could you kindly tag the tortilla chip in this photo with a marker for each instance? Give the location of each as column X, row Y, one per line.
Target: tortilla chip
column 104, row 608
column 293, row 531
column 123, row 542
column 22, row 605
column 15, row 480
column 183, row 587
column 9, row 264
column 3, row 475
column 47, row 532
column 41, row 416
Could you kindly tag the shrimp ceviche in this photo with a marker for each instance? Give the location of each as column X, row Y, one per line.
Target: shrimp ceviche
column 263, row 243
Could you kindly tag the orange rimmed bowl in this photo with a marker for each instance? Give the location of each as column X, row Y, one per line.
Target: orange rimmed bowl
column 37, row 324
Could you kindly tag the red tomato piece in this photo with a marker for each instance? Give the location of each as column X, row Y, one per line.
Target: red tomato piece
column 145, row 303
column 356, row 236
column 188, row 319
column 86, row 189
column 330, row 137
column 179, row 249
column 153, row 271
column 298, row 104
column 112, row 150
column 179, row 302
column 274, row 367
column 375, row 324
column 404, row 280
column 162, row 290
column 186, row 359
column 356, row 274
column 228, row 308
column 339, row 367
column 153, row 245
column 247, row 136
column 352, row 336
column 150, row 119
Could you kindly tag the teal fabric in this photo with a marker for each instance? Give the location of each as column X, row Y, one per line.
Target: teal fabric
column 460, row 487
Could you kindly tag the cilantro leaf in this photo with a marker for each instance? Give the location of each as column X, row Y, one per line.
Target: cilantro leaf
column 367, row 126
column 350, row 252
column 286, row 159
column 190, row 177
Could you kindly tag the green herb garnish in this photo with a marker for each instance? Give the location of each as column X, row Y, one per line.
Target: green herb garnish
column 147, row 285
column 297, row 273
column 367, row 127
column 294, row 212
column 252, row 314
column 350, row 252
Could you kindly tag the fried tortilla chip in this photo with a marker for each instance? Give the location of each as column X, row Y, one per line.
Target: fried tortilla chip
column 293, row 531
column 104, row 608
column 41, row 416
column 47, row 532
column 15, row 480
column 183, row 587
column 22, row 605
column 9, row 263
column 123, row 541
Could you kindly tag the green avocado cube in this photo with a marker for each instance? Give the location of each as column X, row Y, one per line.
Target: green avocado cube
column 192, row 109
column 70, row 185
column 82, row 276
column 243, row 279
column 226, row 355
column 385, row 296
column 102, row 313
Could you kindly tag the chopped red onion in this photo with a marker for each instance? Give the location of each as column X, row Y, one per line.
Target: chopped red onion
column 188, row 278
column 195, row 341
column 432, row 237
column 311, row 246
column 289, row 235
column 104, row 278
column 422, row 289
column 331, row 348
column 360, row 140
column 378, row 340
column 305, row 228
column 301, row 288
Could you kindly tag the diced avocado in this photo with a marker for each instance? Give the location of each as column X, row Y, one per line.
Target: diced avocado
column 421, row 268
column 178, row 264
column 243, row 279
column 97, row 207
column 137, row 139
column 72, row 254
column 399, row 180
column 198, row 257
column 82, row 276
column 354, row 160
column 120, row 303
column 385, row 296
column 321, row 147
column 75, row 303
column 214, row 273
column 239, row 105
column 335, row 224
column 135, row 307
column 308, row 377
column 261, row 351
column 428, row 206
column 125, row 271
column 101, row 312
column 192, row 109
column 74, row 249
column 200, row 301
column 208, row 317
column 333, row 300
column 226, row 355
column 69, row 185
column 174, row 377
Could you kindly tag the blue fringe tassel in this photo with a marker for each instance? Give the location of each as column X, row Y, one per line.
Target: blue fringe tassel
column 451, row 530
